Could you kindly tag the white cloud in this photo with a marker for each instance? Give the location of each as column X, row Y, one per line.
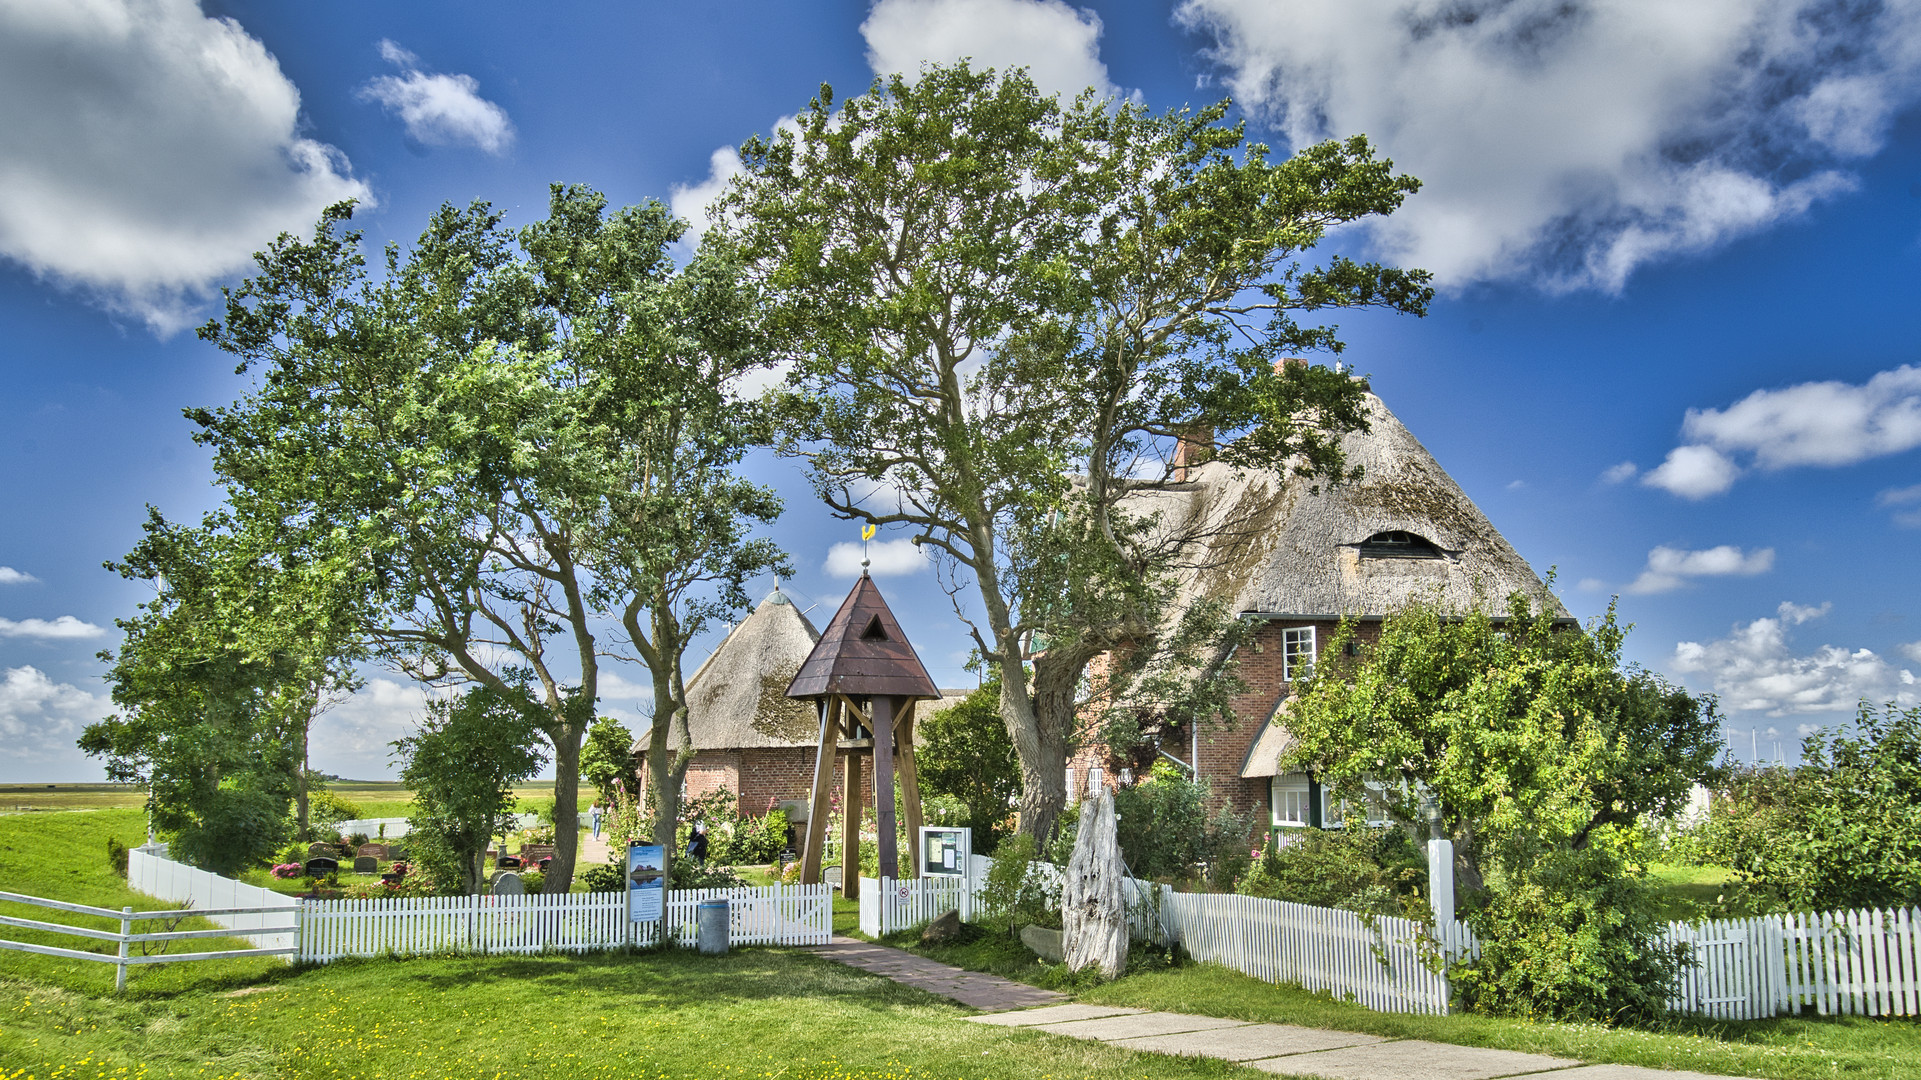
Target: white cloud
column 1827, row 423
column 1909, row 500
column 147, row 151
column 10, row 576
column 692, row 202
column 1058, row 44
column 1693, row 472
column 1670, row 568
column 1569, row 142
column 40, row 719
column 1912, row 650
column 1589, row 584
column 1619, row 474
column 891, row 558
column 63, row 628
column 1754, row 669
column 438, row 109
column 351, row 739
column 1795, row 614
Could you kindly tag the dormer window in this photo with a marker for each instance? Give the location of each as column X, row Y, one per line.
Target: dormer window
column 1398, row 545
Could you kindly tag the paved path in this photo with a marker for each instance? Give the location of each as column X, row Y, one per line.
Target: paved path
column 1297, row 1051
column 1275, row 1048
column 990, row 993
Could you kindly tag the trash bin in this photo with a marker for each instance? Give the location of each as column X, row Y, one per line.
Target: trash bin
column 711, row 917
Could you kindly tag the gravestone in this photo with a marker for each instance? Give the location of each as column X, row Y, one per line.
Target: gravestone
column 509, row 885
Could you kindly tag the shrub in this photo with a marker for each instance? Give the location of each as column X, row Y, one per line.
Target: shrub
column 607, row 877
column 1019, row 892
column 1843, row 830
column 325, row 812
column 117, row 856
column 1374, row 871
column 1165, row 832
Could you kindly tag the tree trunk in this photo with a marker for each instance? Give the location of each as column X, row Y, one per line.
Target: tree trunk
column 1093, row 908
column 560, row 873
column 1043, row 761
column 300, row 785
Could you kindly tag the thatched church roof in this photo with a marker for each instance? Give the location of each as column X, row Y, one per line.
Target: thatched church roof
column 1274, row 545
column 737, row 699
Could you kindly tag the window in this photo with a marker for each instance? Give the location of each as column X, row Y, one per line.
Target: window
column 1094, row 779
column 1398, row 545
column 1297, row 652
column 1372, row 804
column 1073, row 794
column 1290, row 797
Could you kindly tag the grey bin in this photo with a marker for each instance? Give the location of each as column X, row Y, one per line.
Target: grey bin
column 711, row 918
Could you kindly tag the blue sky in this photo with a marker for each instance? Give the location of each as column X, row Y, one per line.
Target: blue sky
column 1675, row 355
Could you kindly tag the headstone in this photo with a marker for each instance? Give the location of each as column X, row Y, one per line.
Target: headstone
column 1093, row 910
column 509, row 885
column 942, row 930
column 1045, row 943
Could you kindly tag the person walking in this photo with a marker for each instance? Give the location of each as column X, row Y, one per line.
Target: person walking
column 594, row 812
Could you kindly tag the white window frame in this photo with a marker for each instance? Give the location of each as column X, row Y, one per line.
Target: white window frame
column 1298, row 652
column 1288, row 796
column 1073, row 793
column 1375, row 798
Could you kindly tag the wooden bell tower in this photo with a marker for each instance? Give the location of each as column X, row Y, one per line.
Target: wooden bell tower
column 865, row 679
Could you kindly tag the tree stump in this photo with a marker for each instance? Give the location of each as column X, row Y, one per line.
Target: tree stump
column 1093, row 910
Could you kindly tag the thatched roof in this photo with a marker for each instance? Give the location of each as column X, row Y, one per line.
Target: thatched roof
column 863, row 653
column 738, row 698
column 1274, row 545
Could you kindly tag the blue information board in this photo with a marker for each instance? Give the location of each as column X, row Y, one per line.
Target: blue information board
column 646, row 882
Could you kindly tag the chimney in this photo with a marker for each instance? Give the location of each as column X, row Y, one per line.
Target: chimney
column 1196, row 447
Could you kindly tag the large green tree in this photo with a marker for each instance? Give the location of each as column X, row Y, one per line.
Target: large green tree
column 218, row 681
column 519, row 440
column 1541, row 752
column 965, row 752
column 1002, row 311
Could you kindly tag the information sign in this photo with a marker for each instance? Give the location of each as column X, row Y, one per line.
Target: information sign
column 944, row 851
column 646, row 882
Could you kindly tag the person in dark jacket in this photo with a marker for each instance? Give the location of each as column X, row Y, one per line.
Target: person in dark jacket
column 697, row 843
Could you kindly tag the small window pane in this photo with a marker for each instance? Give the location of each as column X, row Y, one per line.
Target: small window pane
column 1297, row 652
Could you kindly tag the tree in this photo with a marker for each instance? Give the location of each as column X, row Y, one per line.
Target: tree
column 219, row 679
column 966, row 754
column 607, row 761
column 1542, row 753
column 510, row 449
column 462, row 764
column 1002, row 311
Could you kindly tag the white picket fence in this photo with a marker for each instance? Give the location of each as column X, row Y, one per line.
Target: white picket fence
column 413, row 925
column 889, row 904
column 1864, row 963
column 1376, row 962
column 565, row 922
column 178, row 883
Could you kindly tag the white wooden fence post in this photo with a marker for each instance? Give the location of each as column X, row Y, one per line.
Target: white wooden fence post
column 1440, row 880
column 120, row 970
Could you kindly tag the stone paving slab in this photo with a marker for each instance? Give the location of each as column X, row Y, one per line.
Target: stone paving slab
column 1635, row 1073
column 1053, row 1014
column 1413, row 1058
column 1139, row 1025
column 1247, row 1043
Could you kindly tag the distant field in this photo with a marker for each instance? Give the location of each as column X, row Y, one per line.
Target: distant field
column 377, row 798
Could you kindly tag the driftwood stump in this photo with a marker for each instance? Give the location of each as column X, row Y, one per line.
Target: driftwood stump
column 1093, row 911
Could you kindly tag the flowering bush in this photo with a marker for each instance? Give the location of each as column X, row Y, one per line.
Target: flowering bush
column 289, row 870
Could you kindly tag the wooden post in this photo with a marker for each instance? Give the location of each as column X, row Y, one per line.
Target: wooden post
column 882, row 715
column 851, row 805
column 910, row 782
column 816, row 842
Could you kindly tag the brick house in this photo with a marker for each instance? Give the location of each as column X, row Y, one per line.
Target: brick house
column 749, row 737
column 1296, row 557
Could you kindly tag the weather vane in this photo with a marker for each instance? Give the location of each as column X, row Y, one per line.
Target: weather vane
column 866, row 534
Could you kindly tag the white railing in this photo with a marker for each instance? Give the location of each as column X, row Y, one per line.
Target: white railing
column 396, row 827
column 1377, row 962
column 889, row 904
column 126, row 937
column 178, row 883
column 1865, row 963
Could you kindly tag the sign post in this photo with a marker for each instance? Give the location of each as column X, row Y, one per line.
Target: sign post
column 646, row 882
column 947, row 852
